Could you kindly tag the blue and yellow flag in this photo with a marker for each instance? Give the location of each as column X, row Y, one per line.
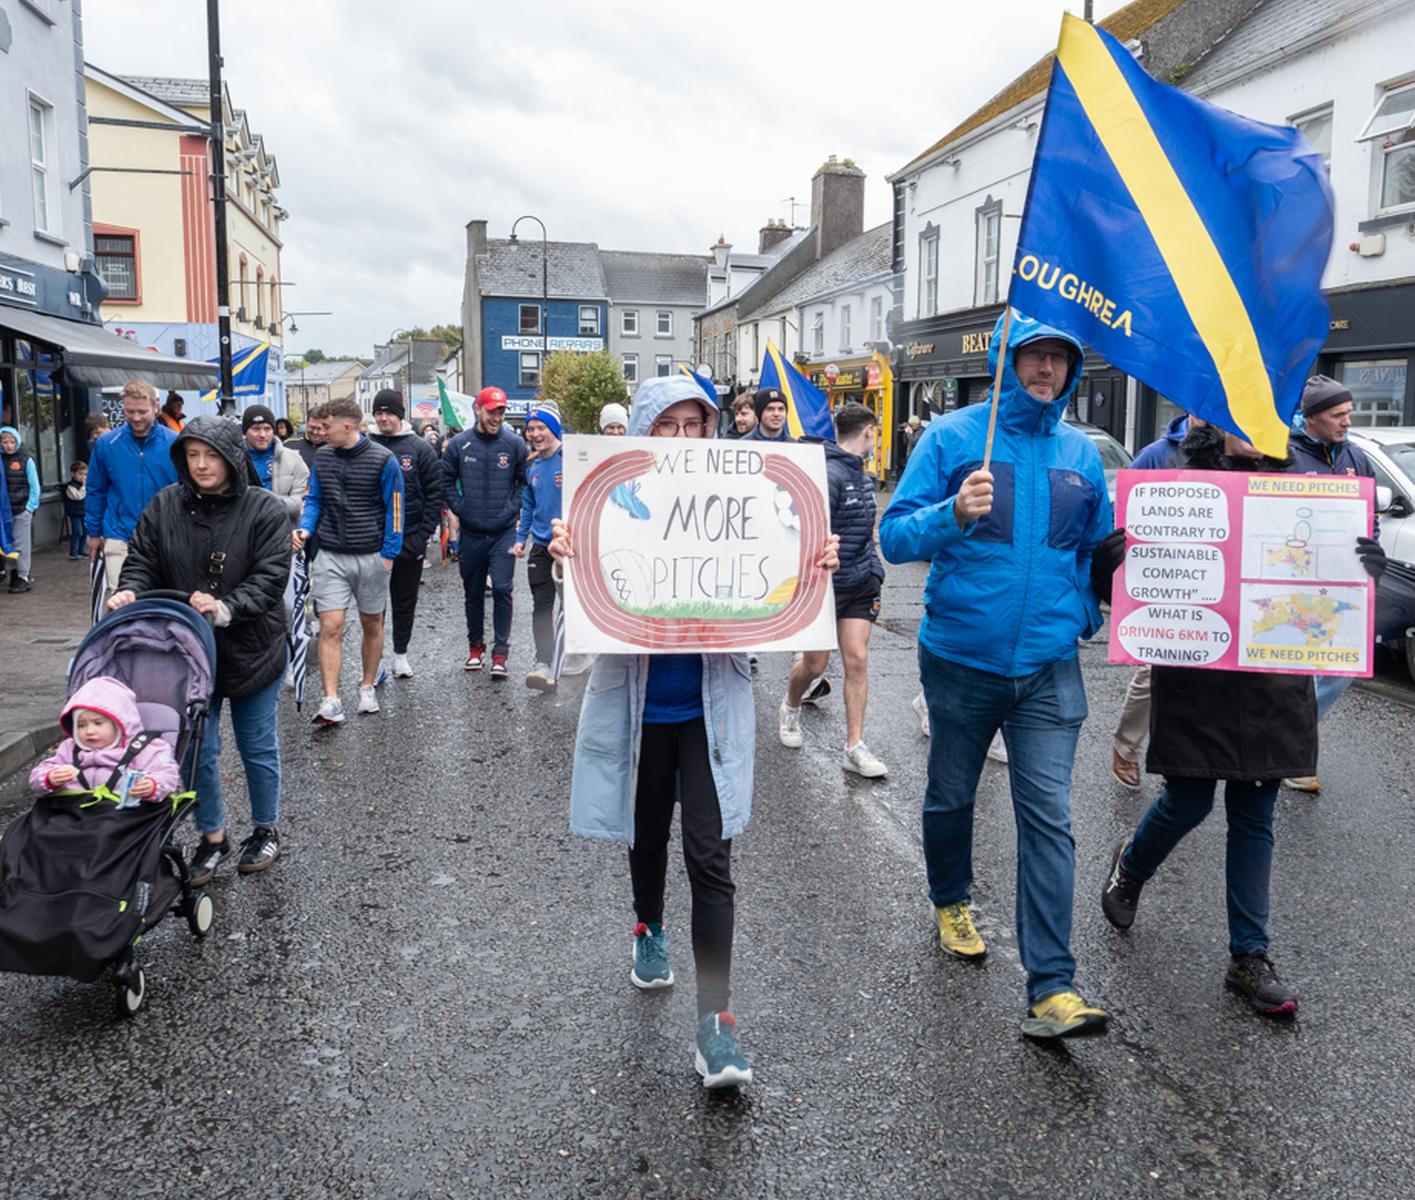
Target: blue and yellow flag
column 807, row 407
column 1184, row 242
column 247, row 372
column 703, row 382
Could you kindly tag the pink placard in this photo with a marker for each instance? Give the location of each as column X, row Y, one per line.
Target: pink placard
column 1244, row 572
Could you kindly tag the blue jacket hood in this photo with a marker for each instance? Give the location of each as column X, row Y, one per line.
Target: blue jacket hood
column 663, row 392
column 1016, row 404
column 19, row 437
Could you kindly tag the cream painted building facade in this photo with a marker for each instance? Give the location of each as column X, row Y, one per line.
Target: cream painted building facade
column 154, row 233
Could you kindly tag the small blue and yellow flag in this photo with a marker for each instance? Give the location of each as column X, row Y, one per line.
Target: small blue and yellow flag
column 247, row 373
column 703, row 382
column 807, row 407
column 1184, row 242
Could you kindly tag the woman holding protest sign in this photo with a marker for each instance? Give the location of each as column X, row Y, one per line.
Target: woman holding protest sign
column 1248, row 728
column 645, row 741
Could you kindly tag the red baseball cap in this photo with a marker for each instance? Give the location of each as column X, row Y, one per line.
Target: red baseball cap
column 491, row 397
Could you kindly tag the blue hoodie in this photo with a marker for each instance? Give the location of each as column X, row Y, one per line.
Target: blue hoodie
column 1011, row 593
column 19, row 462
column 1155, row 456
column 124, row 474
column 540, row 502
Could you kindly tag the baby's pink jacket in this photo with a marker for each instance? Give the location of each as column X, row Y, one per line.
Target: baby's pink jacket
column 115, row 700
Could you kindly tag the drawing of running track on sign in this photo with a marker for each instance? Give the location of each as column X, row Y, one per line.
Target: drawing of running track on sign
column 1303, row 539
column 701, row 545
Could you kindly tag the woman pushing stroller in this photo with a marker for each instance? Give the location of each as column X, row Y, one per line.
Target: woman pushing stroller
column 221, row 539
column 104, row 739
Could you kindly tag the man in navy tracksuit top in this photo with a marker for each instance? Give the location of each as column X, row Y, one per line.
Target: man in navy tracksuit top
column 1008, row 594
column 422, row 512
column 485, row 470
column 355, row 508
column 540, row 505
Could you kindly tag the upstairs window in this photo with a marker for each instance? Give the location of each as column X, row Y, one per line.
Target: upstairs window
column 589, row 320
column 530, row 318
column 1315, row 126
column 665, row 323
column 928, row 273
column 629, row 322
column 115, row 255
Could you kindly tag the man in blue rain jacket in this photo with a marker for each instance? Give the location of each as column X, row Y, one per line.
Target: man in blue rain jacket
column 1007, row 597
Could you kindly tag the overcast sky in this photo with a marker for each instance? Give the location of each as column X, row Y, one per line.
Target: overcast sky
column 637, row 125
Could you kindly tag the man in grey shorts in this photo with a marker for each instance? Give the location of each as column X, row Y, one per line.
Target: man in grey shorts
column 355, row 508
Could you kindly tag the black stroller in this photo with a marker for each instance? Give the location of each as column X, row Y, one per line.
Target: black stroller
column 82, row 879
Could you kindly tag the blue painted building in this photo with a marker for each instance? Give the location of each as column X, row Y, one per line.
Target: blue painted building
column 506, row 330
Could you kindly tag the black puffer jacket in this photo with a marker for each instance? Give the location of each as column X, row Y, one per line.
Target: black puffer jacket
column 1244, row 725
column 423, row 486
column 177, row 535
column 852, row 516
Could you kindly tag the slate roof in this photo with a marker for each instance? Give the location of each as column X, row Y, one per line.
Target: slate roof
column 514, row 269
column 763, row 285
column 869, row 255
column 173, row 91
column 634, row 277
column 1130, row 22
column 1272, row 26
column 320, row 373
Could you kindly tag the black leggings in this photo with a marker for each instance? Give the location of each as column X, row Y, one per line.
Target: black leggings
column 403, row 587
column 673, row 764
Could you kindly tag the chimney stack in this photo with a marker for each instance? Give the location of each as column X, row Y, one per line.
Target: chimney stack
column 471, row 355
column 772, row 233
column 837, row 204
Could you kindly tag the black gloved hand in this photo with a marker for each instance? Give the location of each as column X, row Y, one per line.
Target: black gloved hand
column 1105, row 561
column 1372, row 556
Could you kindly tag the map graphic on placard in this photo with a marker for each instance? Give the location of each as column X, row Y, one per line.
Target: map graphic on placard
column 1323, row 627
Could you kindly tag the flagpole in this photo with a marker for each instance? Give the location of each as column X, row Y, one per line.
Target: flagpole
column 997, row 383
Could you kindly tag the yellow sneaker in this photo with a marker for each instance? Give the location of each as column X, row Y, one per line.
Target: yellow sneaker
column 956, row 932
column 1064, row 1014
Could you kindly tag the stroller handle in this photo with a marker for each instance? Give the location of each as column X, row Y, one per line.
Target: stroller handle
column 178, row 596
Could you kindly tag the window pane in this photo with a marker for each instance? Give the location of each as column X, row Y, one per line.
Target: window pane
column 665, row 322
column 1393, row 112
column 36, row 133
column 41, row 200
column 1377, row 389
column 1317, row 130
column 1398, row 187
column 530, row 318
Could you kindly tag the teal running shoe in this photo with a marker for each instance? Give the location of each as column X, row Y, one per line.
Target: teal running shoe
column 718, row 1060
column 651, row 969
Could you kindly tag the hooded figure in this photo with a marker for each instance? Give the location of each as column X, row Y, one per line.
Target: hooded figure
column 1011, row 592
column 111, row 698
column 182, row 535
column 22, row 492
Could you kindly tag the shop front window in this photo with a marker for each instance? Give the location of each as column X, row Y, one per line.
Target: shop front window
column 1377, row 387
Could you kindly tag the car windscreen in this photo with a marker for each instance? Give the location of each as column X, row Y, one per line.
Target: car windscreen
column 1402, row 457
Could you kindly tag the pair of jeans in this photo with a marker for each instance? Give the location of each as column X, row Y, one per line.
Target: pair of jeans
column 24, row 541
column 480, row 554
column 1330, row 689
column 253, row 723
column 673, row 764
column 77, row 538
column 1040, row 716
column 1182, row 806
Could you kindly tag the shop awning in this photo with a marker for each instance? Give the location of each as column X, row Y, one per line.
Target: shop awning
column 93, row 357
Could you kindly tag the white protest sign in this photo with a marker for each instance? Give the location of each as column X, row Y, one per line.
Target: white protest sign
column 695, row 545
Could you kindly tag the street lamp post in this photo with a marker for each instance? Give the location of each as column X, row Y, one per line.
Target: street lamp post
column 544, row 290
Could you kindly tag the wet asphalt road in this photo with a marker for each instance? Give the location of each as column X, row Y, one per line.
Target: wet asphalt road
column 429, row 995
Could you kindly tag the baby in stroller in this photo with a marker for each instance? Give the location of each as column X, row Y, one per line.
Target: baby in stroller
column 106, row 747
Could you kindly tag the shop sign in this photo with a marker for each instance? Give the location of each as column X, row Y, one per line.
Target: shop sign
column 872, row 375
column 976, row 343
column 915, row 350
column 19, row 285
column 580, row 345
column 948, row 385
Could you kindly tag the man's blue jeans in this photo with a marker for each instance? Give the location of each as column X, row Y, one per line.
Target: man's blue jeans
column 1184, row 804
column 1040, row 716
column 1330, row 689
column 477, row 555
column 253, row 722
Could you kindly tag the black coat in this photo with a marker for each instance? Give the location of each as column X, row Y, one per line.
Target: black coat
column 173, row 544
column 423, row 486
column 485, row 476
column 1244, row 725
column 852, row 516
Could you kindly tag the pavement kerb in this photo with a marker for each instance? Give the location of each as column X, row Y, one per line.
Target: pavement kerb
column 17, row 748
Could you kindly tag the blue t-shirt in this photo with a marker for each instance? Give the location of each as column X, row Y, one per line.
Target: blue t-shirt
column 263, row 461
column 674, row 691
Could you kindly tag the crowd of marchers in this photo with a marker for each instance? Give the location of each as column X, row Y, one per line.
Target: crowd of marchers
column 1021, row 554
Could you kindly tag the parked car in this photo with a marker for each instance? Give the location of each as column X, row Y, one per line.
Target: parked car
column 1392, row 454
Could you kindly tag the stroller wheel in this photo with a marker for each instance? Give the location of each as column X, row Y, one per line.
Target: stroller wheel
column 199, row 917
column 132, row 993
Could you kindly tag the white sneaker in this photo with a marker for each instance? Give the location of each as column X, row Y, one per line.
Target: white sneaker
column 998, row 750
column 921, row 708
column 540, row 678
column 368, row 699
column 402, row 668
column 576, row 664
column 331, row 712
column 859, row 759
column 790, row 727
